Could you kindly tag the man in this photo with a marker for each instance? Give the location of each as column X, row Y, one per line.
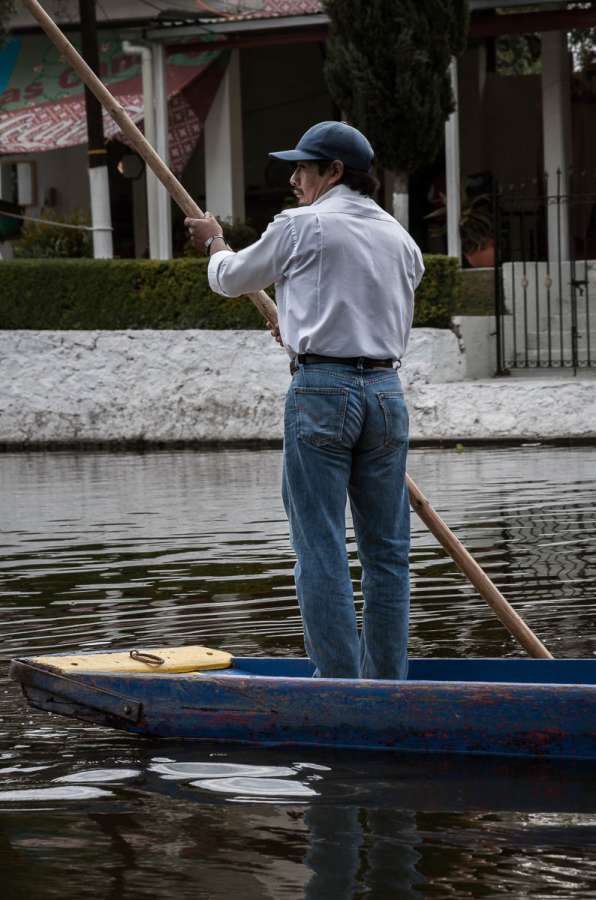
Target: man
column 345, row 273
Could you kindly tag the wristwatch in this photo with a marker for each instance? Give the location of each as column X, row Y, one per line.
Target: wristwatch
column 210, row 240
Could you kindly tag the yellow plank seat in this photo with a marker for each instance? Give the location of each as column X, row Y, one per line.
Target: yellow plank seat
column 162, row 661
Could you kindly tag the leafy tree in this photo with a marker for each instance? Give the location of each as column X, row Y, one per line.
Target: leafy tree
column 582, row 42
column 519, row 54
column 387, row 70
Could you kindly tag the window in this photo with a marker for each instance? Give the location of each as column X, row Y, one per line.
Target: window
column 18, row 183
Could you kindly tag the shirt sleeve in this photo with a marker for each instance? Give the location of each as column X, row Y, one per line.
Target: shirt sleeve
column 257, row 266
column 417, row 268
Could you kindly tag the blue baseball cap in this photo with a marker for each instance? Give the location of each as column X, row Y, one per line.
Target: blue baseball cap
column 332, row 140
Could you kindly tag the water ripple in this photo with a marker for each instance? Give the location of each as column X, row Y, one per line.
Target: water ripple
column 102, row 550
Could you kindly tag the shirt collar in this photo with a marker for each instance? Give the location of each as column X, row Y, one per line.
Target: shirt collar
column 340, row 190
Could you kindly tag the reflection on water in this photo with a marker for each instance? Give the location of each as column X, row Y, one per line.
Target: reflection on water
column 103, row 550
column 268, row 823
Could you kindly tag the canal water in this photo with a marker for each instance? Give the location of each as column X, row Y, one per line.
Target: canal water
column 106, row 550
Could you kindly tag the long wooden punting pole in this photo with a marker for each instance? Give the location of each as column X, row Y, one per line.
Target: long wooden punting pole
column 267, row 308
column 468, row 565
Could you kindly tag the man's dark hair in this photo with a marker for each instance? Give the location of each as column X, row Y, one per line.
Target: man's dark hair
column 364, row 182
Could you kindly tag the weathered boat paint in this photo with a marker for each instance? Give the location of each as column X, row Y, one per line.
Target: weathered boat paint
column 479, row 706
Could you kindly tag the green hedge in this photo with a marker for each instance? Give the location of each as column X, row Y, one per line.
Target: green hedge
column 115, row 294
column 87, row 294
column 439, row 292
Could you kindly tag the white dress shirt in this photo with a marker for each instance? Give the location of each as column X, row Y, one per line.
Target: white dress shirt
column 345, row 272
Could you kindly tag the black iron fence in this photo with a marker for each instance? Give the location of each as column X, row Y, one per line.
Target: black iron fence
column 545, row 273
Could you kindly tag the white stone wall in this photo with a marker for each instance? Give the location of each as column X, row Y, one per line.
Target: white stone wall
column 433, row 355
column 161, row 386
column 140, row 385
column 504, row 409
column 478, row 343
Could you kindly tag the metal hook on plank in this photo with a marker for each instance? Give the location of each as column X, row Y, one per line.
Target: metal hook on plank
column 148, row 658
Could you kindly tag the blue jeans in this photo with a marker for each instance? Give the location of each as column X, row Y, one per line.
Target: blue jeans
column 346, row 435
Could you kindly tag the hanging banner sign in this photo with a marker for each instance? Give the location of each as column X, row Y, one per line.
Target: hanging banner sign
column 42, row 101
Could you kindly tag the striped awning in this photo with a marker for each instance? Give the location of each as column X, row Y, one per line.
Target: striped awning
column 42, row 101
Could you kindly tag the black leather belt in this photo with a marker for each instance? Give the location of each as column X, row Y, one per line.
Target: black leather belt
column 364, row 361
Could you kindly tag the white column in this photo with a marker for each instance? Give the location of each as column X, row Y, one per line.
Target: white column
column 224, row 157
column 99, row 189
column 556, row 129
column 452, row 171
column 164, row 209
column 146, row 54
column 399, row 191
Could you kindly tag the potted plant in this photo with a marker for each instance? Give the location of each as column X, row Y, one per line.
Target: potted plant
column 475, row 226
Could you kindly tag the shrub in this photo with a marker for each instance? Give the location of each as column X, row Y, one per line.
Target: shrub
column 116, row 294
column 105, row 294
column 40, row 241
column 437, row 297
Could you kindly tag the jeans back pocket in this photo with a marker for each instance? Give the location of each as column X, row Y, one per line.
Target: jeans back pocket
column 321, row 414
column 395, row 413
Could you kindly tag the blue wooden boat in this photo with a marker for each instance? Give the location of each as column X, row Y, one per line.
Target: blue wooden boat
column 512, row 707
